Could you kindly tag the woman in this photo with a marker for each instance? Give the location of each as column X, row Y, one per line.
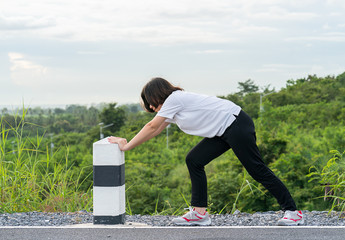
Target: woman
column 223, row 125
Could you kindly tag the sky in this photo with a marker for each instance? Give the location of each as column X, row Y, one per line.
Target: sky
column 60, row 52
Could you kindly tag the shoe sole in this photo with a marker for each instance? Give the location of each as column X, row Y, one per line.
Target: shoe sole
column 207, row 223
column 290, row 224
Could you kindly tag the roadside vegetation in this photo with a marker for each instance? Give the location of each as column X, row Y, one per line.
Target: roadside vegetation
column 46, row 154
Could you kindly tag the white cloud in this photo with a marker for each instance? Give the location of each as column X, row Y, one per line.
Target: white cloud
column 151, row 21
column 327, row 37
column 280, row 67
column 336, row 3
column 100, row 49
column 162, row 34
column 209, row 51
column 280, row 13
column 25, row 72
column 90, row 52
column 25, row 22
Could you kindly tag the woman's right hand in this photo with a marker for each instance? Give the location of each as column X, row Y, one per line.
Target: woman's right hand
column 118, row 140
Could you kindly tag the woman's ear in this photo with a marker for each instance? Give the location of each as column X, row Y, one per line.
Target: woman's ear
column 158, row 108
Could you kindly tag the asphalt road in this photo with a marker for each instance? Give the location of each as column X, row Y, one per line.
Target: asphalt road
column 170, row 233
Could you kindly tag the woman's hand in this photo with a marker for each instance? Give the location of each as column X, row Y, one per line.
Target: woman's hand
column 122, row 142
column 150, row 130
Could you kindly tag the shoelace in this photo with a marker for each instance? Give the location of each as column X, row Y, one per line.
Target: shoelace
column 188, row 214
column 287, row 214
column 291, row 215
column 189, row 208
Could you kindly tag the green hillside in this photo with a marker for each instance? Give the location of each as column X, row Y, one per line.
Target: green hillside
column 46, row 154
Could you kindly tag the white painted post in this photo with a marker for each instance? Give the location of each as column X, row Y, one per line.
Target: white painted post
column 108, row 183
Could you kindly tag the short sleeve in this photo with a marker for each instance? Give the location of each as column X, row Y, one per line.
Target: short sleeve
column 171, row 106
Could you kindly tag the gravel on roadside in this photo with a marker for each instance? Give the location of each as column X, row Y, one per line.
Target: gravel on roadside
column 270, row 218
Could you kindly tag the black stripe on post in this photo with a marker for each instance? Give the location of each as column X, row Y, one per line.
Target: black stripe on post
column 108, row 176
column 120, row 219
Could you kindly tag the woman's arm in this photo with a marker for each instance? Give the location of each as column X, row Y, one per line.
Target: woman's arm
column 150, row 130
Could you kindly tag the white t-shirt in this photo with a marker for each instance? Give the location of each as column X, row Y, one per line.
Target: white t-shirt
column 201, row 115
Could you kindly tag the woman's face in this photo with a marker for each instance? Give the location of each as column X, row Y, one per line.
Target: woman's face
column 156, row 109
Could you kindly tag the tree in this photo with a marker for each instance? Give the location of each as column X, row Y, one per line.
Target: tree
column 248, row 97
column 113, row 115
column 266, row 89
column 92, row 116
column 4, row 111
column 247, row 87
column 59, row 111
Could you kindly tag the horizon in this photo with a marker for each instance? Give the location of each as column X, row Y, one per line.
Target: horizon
column 88, row 105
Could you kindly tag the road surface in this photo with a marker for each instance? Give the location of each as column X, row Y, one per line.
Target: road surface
column 170, row 233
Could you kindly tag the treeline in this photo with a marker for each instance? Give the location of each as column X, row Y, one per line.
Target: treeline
column 297, row 127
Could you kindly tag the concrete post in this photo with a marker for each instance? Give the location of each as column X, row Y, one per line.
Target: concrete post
column 108, row 183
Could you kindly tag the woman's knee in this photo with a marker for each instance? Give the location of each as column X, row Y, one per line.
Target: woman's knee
column 189, row 159
column 192, row 160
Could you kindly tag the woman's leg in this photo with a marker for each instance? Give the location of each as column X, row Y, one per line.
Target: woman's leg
column 204, row 152
column 241, row 137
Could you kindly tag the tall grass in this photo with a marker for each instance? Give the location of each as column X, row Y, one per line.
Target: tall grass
column 332, row 177
column 33, row 180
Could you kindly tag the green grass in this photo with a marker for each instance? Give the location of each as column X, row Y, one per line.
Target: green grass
column 34, row 179
column 31, row 179
column 332, row 177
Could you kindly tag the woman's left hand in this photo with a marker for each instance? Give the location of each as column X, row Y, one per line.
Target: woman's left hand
column 118, row 140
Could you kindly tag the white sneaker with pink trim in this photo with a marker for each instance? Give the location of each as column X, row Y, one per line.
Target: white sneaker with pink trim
column 193, row 218
column 292, row 218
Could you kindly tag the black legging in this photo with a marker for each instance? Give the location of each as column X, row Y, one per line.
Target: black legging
column 240, row 136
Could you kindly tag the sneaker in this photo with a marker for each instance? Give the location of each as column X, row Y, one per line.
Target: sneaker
column 291, row 218
column 193, row 218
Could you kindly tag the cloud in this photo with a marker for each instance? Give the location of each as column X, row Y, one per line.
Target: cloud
column 336, row 3
column 279, row 13
column 209, row 51
column 90, row 52
column 327, row 37
column 274, row 67
column 24, row 72
column 92, row 44
column 25, row 22
column 152, row 21
column 173, row 34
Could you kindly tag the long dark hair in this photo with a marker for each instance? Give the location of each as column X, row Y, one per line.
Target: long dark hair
column 155, row 92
